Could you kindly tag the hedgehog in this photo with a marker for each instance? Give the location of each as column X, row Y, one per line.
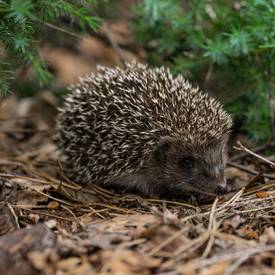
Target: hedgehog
column 141, row 130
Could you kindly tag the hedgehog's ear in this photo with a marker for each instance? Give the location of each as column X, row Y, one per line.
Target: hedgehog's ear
column 162, row 148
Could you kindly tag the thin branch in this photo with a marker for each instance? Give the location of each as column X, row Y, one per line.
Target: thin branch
column 212, row 227
column 59, row 29
column 243, row 148
column 255, row 150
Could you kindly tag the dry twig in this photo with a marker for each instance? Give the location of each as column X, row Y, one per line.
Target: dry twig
column 243, row 148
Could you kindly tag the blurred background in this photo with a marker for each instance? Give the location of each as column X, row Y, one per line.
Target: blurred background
column 226, row 47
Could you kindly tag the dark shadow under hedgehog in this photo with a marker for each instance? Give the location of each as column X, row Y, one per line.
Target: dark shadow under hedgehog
column 142, row 130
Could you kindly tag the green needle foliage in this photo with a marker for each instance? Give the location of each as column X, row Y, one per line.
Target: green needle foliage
column 21, row 28
column 226, row 46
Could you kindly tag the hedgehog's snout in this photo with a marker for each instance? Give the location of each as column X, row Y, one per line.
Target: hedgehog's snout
column 217, row 182
column 221, row 188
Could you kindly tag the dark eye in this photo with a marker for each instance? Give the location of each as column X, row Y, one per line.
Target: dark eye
column 186, row 162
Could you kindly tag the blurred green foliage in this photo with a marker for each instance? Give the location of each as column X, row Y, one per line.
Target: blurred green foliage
column 226, row 46
column 22, row 25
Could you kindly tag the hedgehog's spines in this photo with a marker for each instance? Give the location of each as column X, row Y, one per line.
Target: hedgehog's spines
column 111, row 120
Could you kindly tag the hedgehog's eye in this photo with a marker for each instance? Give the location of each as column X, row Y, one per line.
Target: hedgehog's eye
column 186, row 162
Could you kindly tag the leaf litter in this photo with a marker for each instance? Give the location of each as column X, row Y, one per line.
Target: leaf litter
column 52, row 225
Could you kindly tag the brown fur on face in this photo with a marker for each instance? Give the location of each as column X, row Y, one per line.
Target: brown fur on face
column 177, row 169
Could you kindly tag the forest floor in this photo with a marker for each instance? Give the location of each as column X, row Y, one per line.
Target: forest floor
column 51, row 225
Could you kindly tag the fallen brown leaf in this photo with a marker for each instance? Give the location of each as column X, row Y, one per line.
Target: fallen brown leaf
column 247, row 232
column 262, row 194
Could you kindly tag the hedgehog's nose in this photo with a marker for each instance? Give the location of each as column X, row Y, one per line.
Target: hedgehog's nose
column 221, row 189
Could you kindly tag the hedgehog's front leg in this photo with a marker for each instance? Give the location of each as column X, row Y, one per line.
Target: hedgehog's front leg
column 139, row 183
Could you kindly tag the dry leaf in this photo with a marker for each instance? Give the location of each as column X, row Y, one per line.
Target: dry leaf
column 262, row 194
column 247, row 232
column 53, row 205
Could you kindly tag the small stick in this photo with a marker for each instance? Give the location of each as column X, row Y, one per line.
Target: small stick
column 256, row 209
column 43, row 213
column 53, row 198
column 74, row 216
column 255, row 150
column 243, row 148
column 14, row 215
column 172, row 202
column 97, row 212
column 266, row 186
column 59, row 29
column 212, row 227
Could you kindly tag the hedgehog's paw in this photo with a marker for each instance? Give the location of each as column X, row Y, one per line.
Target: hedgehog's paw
column 134, row 183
